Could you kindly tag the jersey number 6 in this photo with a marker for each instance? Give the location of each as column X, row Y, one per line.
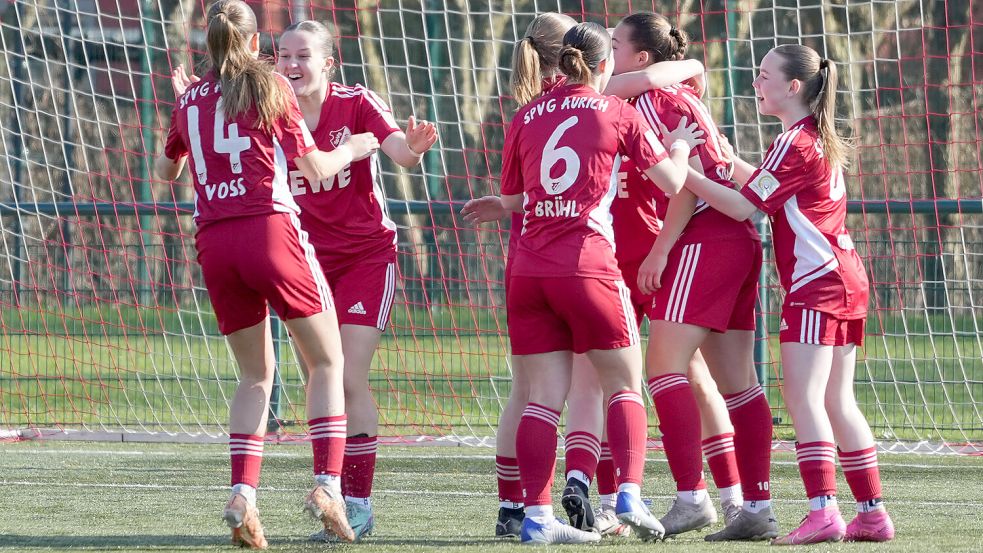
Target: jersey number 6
column 553, row 155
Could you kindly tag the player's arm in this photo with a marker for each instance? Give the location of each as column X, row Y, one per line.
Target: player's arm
column 169, row 169
column 484, row 210
column 318, row 165
column 670, row 174
column 512, row 202
column 407, row 148
column 741, row 171
column 680, row 211
column 657, row 75
column 728, row 201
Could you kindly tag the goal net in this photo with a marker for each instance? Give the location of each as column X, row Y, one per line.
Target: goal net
column 105, row 325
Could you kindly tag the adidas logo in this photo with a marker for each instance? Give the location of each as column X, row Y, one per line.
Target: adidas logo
column 357, row 309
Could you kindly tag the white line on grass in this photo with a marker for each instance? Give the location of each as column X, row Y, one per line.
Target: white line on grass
column 130, row 486
column 405, row 456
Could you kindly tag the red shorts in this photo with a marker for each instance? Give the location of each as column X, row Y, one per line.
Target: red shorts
column 364, row 293
column 249, row 261
column 712, row 284
column 642, row 303
column 576, row 314
column 808, row 326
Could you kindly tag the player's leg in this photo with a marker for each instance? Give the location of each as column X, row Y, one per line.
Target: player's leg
column 730, row 359
column 582, row 445
column 857, row 450
column 671, row 348
column 717, row 433
column 252, row 348
column 319, row 341
column 541, row 338
column 806, row 371
column 510, row 499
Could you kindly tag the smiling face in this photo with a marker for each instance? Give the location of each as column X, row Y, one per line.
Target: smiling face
column 303, row 62
column 772, row 88
column 626, row 57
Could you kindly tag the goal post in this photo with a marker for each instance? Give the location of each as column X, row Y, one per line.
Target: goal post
column 105, row 325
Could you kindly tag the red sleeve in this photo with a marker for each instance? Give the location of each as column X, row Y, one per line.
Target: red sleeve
column 781, row 175
column 638, row 141
column 511, row 164
column 376, row 115
column 660, row 112
column 174, row 146
column 292, row 132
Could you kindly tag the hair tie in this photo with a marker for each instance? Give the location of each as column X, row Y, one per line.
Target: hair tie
column 673, row 31
column 531, row 40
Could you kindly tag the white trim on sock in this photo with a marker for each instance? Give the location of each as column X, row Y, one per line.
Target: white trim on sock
column 692, row 497
column 821, row 502
column 731, row 494
column 756, row 506
column 633, row 490
column 246, row 491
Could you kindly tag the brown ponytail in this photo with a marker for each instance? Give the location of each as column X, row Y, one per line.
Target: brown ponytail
column 537, row 55
column 819, row 80
column 246, row 81
column 584, row 48
column 652, row 33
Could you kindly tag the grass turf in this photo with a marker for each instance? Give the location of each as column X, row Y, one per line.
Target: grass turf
column 74, row 496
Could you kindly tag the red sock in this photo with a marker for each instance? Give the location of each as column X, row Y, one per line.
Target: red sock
column 358, row 467
column 582, row 451
column 751, row 417
column 679, row 421
column 607, row 483
column 328, row 442
column 627, row 426
column 719, row 452
column 535, row 448
column 817, row 467
column 246, row 451
column 862, row 473
column 509, row 486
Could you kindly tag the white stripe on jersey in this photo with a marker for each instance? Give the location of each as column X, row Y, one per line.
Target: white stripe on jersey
column 782, row 144
column 380, row 193
column 342, row 91
column 600, row 218
column 387, row 297
column 647, row 109
column 814, row 255
column 283, row 200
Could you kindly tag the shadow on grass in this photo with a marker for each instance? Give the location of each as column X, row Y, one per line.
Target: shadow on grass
column 133, row 541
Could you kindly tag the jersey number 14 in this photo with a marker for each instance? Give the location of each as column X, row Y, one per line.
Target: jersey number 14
column 229, row 143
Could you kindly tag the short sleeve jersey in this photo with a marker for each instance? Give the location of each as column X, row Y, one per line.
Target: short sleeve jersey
column 346, row 215
column 664, row 109
column 238, row 169
column 563, row 152
column 806, row 200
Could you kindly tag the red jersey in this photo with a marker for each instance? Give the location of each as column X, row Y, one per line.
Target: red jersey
column 345, row 214
column 563, row 152
column 239, row 170
column 638, row 211
column 806, row 200
column 664, row 108
column 515, row 229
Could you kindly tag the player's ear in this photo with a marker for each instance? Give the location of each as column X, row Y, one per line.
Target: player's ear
column 794, row 87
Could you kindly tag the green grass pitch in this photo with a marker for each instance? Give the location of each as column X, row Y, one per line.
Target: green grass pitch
column 78, row 496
